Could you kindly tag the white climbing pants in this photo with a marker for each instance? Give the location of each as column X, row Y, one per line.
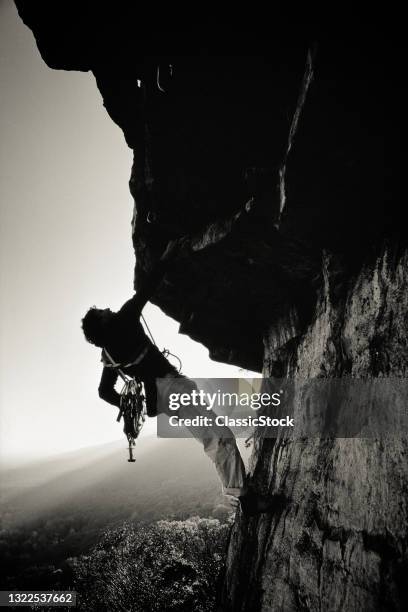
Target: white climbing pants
column 218, row 441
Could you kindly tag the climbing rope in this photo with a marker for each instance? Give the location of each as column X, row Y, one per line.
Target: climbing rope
column 148, row 329
column 165, row 352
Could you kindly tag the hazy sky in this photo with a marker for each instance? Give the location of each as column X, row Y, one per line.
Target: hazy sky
column 65, row 245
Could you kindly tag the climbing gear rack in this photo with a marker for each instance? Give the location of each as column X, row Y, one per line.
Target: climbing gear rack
column 133, row 411
column 132, row 407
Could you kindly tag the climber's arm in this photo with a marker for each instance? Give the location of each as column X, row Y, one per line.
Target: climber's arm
column 135, row 305
column 107, row 390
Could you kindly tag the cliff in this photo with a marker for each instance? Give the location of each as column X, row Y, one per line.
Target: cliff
column 262, row 155
column 338, row 540
column 225, row 118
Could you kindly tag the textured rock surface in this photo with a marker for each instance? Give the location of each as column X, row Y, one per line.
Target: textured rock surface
column 301, row 102
column 339, row 540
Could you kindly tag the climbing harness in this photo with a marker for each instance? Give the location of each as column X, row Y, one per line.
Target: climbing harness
column 132, row 405
column 109, row 363
column 132, row 399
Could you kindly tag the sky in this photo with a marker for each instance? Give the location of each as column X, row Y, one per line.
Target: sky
column 65, row 244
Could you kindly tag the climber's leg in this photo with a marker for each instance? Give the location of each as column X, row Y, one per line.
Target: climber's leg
column 220, row 446
column 218, row 441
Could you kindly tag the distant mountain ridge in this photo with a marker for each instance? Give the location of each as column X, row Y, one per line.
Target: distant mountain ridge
column 170, row 478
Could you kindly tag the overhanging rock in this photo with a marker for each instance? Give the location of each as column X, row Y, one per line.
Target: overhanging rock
column 292, row 126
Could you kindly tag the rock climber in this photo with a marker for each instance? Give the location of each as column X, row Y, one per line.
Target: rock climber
column 121, row 336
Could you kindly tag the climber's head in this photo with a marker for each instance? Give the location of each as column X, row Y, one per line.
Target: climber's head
column 95, row 325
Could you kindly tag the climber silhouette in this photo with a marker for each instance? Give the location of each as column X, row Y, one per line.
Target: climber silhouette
column 122, row 336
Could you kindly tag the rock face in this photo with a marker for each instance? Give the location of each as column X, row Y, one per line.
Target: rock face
column 263, row 158
column 227, row 117
column 338, row 540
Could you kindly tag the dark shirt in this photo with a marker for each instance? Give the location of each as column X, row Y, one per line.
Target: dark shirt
column 126, row 336
column 126, row 343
